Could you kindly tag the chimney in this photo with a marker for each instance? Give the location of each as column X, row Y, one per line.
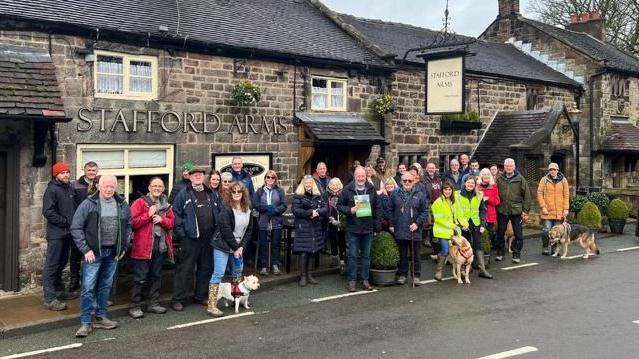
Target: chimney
column 590, row 23
column 508, row 8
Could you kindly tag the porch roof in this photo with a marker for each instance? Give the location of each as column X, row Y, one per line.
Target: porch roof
column 340, row 127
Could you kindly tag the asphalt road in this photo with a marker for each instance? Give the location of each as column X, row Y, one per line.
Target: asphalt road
column 562, row 308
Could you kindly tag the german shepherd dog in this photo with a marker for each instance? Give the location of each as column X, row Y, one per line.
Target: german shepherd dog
column 567, row 233
column 462, row 256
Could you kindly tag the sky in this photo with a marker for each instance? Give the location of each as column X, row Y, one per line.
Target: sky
column 467, row 17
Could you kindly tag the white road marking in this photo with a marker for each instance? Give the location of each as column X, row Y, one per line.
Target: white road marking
column 636, row 322
column 520, row 266
column 434, row 280
column 510, row 353
column 36, row 352
column 573, row 257
column 209, row 320
column 627, row 249
column 317, row 300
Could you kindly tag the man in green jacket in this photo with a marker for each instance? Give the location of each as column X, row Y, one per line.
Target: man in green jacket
column 515, row 200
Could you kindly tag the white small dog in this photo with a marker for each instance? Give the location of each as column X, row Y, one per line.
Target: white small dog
column 238, row 293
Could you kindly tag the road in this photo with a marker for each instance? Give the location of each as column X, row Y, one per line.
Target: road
column 556, row 309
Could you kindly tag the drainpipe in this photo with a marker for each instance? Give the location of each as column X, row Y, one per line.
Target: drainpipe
column 592, row 125
column 53, row 144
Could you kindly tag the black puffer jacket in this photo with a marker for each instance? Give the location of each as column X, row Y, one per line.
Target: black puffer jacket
column 309, row 237
column 225, row 240
column 58, row 207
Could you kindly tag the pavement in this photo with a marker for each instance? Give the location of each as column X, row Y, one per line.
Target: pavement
column 24, row 314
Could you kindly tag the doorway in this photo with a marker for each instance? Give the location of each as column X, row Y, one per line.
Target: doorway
column 9, row 238
column 339, row 158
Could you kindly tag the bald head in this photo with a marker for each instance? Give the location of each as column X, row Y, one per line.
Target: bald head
column 360, row 175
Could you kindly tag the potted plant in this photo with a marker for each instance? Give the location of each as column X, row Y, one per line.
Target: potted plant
column 384, row 259
column 590, row 216
column 604, row 224
column 245, row 93
column 618, row 212
column 468, row 120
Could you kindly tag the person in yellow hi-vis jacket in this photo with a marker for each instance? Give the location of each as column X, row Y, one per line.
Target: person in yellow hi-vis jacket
column 443, row 224
column 470, row 213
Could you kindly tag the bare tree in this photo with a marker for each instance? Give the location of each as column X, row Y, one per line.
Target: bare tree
column 620, row 17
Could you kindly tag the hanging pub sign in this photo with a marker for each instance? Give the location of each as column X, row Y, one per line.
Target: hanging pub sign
column 444, row 85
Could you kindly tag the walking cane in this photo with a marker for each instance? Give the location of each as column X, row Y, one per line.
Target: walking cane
column 269, row 239
column 412, row 250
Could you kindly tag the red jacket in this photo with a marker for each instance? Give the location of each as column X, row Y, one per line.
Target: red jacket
column 142, row 244
column 491, row 203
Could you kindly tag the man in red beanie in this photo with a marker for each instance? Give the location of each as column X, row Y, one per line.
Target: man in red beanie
column 58, row 208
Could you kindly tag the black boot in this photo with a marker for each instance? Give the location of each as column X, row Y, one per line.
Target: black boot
column 310, row 265
column 303, row 264
column 545, row 241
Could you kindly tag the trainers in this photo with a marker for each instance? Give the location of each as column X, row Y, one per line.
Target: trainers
column 56, row 305
column 516, row 258
column 264, row 271
column 177, row 306
column 136, row 313
column 366, row 285
column 276, row 270
column 350, row 286
column 401, row 280
column 156, row 309
column 105, row 323
column 84, row 331
column 416, row 281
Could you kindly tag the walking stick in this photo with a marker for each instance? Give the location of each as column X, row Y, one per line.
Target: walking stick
column 412, row 250
column 269, row 239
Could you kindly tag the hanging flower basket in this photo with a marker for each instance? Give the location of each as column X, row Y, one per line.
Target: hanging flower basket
column 383, row 105
column 245, row 94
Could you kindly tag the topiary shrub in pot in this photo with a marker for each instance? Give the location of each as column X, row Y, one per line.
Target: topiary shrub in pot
column 604, row 225
column 618, row 212
column 384, row 259
column 590, row 216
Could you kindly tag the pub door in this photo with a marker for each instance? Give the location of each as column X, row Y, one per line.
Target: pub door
column 339, row 158
column 9, row 238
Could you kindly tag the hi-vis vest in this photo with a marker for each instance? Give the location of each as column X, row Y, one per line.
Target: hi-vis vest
column 466, row 209
column 444, row 221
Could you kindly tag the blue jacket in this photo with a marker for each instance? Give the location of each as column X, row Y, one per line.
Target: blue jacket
column 387, row 212
column 417, row 203
column 246, row 180
column 85, row 228
column 309, row 237
column 185, row 217
column 273, row 212
column 449, row 177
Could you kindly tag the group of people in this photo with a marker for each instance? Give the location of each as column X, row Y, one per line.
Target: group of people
column 213, row 219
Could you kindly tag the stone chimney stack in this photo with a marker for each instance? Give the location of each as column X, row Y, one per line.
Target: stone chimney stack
column 590, row 23
column 508, row 8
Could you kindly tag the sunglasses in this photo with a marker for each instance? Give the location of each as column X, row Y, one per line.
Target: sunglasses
column 270, row 177
column 226, row 181
column 407, row 181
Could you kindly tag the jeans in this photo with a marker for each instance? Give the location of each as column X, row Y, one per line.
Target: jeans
column 220, row 260
column 147, row 276
column 359, row 248
column 443, row 245
column 276, row 239
column 194, row 256
column 405, row 254
column 502, row 223
column 57, row 256
column 97, row 277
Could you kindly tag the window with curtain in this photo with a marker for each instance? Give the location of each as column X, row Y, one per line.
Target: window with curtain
column 125, row 76
column 328, row 94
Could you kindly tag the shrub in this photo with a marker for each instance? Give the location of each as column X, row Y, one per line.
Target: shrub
column 600, row 199
column 245, row 93
column 384, row 252
column 471, row 116
column 590, row 216
column 577, row 203
column 618, row 210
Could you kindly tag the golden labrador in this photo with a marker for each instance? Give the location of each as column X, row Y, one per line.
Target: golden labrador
column 462, row 256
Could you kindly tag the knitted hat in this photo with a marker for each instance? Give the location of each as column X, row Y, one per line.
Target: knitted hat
column 554, row 166
column 59, row 167
column 187, row 166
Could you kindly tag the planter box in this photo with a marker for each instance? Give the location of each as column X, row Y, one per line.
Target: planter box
column 459, row 125
column 616, row 226
column 383, row 277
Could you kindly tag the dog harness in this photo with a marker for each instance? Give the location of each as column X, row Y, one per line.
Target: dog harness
column 236, row 291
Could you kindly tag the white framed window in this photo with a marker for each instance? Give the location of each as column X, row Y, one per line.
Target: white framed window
column 328, row 94
column 125, row 76
column 133, row 165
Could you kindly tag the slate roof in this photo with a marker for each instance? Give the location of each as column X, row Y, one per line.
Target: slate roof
column 621, row 137
column 511, row 130
column 292, row 27
column 28, row 85
column 595, row 48
column 490, row 58
column 340, row 127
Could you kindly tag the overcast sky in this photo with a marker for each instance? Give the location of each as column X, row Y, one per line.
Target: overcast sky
column 467, row 17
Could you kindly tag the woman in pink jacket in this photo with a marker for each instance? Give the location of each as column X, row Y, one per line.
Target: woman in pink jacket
column 491, row 200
